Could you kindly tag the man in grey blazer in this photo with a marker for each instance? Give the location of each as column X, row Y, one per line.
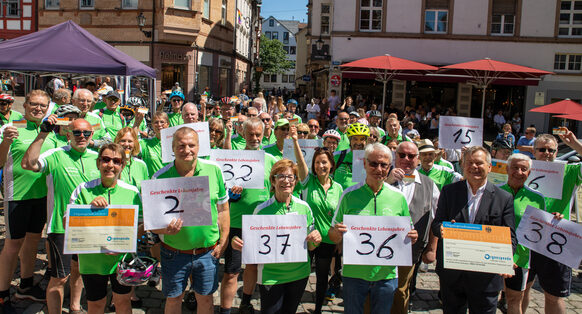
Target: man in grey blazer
column 477, row 201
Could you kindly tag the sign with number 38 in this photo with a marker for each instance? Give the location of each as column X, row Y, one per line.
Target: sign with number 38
column 559, row 240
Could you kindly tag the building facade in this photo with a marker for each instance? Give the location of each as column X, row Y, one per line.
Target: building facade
column 17, row 18
column 541, row 34
column 283, row 31
column 188, row 42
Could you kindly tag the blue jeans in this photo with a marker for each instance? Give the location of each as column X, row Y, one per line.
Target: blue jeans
column 176, row 268
column 381, row 295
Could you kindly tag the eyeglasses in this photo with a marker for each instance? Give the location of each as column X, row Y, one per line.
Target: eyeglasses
column 373, row 136
column 219, row 131
column 303, row 132
column 106, row 160
column 543, row 150
column 38, row 105
column 375, row 164
column 252, row 115
column 85, row 133
column 313, row 126
column 285, row 177
column 343, row 119
column 410, row 156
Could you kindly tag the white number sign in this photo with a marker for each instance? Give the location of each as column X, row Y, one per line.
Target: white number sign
column 274, row 239
column 559, row 240
column 203, row 139
column 377, row 240
column 244, row 168
column 547, row 178
column 187, row 198
column 458, row 132
column 307, row 148
column 358, row 171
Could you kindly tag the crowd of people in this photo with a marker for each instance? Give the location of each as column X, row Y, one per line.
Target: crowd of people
column 104, row 150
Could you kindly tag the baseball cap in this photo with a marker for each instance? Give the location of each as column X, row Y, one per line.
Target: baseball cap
column 425, row 146
column 112, row 93
column 281, row 122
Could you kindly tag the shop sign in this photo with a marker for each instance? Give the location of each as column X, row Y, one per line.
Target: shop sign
column 174, row 56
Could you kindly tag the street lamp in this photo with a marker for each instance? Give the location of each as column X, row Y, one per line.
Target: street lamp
column 141, row 21
column 319, row 43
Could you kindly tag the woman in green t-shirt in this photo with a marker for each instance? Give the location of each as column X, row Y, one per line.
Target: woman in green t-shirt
column 136, row 170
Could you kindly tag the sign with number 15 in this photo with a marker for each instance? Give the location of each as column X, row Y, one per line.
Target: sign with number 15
column 458, row 132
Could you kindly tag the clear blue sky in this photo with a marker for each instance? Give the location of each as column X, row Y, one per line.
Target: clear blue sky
column 285, row 9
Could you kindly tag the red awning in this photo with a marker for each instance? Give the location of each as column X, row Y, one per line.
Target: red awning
column 563, row 107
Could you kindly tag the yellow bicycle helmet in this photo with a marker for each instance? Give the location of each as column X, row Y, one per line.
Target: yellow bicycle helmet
column 358, row 129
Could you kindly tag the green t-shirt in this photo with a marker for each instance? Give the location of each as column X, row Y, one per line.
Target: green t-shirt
column 238, row 142
column 199, row 236
column 250, row 198
column 175, row 119
column 360, row 200
column 524, row 197
column 400, row 139
column 99, row 129
column 322, row 204
column 99, row 105
column 20, row 184
column 343, row 173
column 113, row 120
column 274, row 150
column 14, row 116
column 280, row 273
column 65, row 168
column 151, row 154
column 268, row 140
column 134, row 172
column 59, row 140
column 572, row 178
column 444, row 163
column 440, row 175
column 344, row 142
column 121, row 194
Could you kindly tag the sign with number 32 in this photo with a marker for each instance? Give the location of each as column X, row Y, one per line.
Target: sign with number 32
column 559, row 240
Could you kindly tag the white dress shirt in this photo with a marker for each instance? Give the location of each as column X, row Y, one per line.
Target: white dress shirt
column 474, row 200
column 407, row 188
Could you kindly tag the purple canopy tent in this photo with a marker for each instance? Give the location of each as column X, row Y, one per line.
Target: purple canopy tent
column 68, row 48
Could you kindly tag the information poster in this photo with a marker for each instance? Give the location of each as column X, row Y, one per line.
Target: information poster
column 241, row 168
column 458, row 132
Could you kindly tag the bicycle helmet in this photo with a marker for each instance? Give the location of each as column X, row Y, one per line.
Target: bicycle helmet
column 292, row 101
column 127, row 107
column 177, row 93
column 227, row 101
column 501, row 144
column 333, row 134
column 135, row 102
column 133, row 270
column 66, row 109
column 358, row 129
column 6, row 98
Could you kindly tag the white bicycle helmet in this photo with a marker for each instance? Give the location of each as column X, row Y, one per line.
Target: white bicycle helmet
column 134, row 270
column 333, row 134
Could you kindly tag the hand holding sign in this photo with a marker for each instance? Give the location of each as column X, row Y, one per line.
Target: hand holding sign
column 203, row 139
column 377, row 240
column 458, row 132
column 186, row 198
column 559, row 240
column 241, row 169
column 307, row 149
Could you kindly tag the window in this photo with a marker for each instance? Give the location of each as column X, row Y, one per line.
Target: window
column 292, row 50
column 502, row 24
column 273, row 78
column 268, row 35
column 568, row 63
column 276, row 35
column 52, row 4
column 435, row 21
column 271, row 23
column 370, row 15
column 11, row 8
column 128, row 4
column 286, row 48
column 285, row 37
column 291, row 78
column 325, row 24
column 223, row 13
column 324, row 8
column 206, row 9
column 284, row 78
column 183, row 4
column 87, row 4
column 570, row 19
column 267, row 78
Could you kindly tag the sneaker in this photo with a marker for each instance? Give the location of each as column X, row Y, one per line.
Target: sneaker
column 6, row 306
column 330, row 294
column 155, row 278
column 502, row 304
column 190, row 301
column 246, row 309
column 34, row 293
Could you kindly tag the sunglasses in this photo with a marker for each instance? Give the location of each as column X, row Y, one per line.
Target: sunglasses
column 410, row 156
column 302, row 132
column 375, row 164
column 266, row 119
column 4, row 103
column 176, row 100
column 314, row 126
column 317, row 149
column 216, row 131
column 543, row 150
column 86, row 133
column 106, row 160
column 283, row 129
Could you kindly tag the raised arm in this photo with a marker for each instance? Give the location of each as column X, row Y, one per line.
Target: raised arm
column 9, row 135
column 303, row 169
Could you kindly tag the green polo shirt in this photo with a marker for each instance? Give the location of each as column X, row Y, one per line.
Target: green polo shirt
column 344, row 142
column 134, row 172
column 267, row 140
column 274, row 150
column 440, row 175
column 237, row 142
column 323, row 204
column 572, row 179
column 175, row 119
column 151, row 154
column 112, row 119
column 14, row 116
column 343, row 173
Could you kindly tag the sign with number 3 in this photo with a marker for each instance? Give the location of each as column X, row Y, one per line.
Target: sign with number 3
column 559, row 240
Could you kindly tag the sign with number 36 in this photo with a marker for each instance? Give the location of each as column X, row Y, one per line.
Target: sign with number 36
column 559, row 240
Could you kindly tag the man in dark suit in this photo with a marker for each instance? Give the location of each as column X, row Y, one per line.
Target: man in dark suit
column 473, row 200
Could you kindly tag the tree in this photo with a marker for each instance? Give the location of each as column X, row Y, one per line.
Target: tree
column 272, row 60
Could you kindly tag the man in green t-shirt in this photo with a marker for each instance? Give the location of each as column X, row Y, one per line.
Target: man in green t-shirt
column 66, row 167
column 111, row 116
column 83, row 99
column 341, row 121
column 556, row 278
column 281, row 133
column 374, row 119
column 439, row 174
column 243, row 202
column 393, row 132
column 190, row 113
column 237, row 141
column 358, row 135
column 8, row 115
column 268, row 133
column 176, row 100
column 373, row 197
column 25, row 201
column 517, row 288
column 193, row 249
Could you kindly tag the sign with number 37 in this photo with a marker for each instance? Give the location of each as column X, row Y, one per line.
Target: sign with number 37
column 559, row 240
